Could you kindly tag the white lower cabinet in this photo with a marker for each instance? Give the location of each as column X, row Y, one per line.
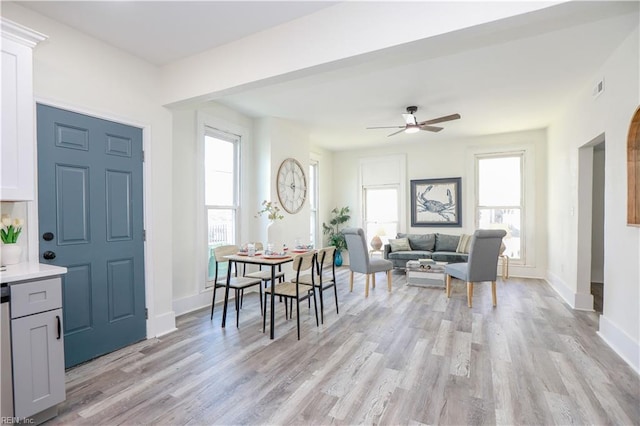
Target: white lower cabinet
column 37, row 346
column 38, row 362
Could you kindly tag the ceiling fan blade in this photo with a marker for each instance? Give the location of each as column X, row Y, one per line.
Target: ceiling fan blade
column 410, row 119
column 431, row 128
column 395, row 133
column 441, row 119
column 387, row 127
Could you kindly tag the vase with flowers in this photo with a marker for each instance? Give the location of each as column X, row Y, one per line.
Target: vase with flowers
column 272, row 211
column 10, row 251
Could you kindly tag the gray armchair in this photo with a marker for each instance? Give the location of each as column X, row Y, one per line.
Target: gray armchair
column 482, row 264
column 360, row 262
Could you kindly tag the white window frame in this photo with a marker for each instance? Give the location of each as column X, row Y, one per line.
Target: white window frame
column 366, row 188
column 523, row 205
column 368, row 175
column 314, row 172
column 235, row 207
column 205, row 121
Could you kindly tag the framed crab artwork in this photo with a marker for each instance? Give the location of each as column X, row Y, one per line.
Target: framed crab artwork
column 436, row 202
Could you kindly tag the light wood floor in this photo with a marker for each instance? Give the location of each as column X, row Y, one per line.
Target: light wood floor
column 409, row 357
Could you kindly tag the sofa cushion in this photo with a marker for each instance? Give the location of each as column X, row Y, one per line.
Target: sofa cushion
column 446, row 242
column 409, row 255
column 449, row 256
column 464, row 245
column 422, row 241
column 399, row 244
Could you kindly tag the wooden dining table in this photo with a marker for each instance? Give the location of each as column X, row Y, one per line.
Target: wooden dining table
column 262, row 260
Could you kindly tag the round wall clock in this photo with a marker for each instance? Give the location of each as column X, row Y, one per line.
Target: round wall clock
column 291, row 185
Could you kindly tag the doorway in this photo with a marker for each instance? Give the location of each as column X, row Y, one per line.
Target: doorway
column 590, row 256
column 90, row 213
column 597, row 228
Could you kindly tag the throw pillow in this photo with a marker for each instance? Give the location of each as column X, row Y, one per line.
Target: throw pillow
column 399, row 244
column 446, row 242
column 464, row 245
column 424, row 242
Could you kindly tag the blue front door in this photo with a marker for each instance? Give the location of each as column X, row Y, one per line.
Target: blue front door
column 91, row 222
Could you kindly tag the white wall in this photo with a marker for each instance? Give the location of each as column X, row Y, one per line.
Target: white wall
column 74, row 71
column 584, row 120
column 325, row 182
column 430, row 159
column 185, row 280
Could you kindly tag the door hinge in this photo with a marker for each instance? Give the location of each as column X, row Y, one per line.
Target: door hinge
column 144, row 235
column 143, row 156
column 146, row 313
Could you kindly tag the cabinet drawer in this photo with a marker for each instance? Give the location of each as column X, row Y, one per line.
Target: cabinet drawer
column 36, row 296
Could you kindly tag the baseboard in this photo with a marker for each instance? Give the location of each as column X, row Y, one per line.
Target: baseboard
column 164, row 324
column 620, row 342
column 583, row 302
column 561, row 288
column 577, row 301
column 195, row 302
column 203, row 300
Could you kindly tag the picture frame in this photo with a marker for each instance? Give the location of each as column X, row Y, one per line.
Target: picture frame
column 436, row 202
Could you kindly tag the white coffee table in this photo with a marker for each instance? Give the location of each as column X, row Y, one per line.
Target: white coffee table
column 425, row 276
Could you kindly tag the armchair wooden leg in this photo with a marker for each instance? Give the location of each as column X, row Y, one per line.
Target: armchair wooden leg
column 373, row 280
column 351, row 282
column 448, row 281
column 469, row 293
column 507, row 275
column 493, row 293
column 505, row 266
column 366, row 286
column 389, row 280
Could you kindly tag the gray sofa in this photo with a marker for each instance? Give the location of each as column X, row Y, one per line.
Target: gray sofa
column 439, row 247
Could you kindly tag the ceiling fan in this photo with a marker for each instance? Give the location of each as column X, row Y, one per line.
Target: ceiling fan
column 413, row 126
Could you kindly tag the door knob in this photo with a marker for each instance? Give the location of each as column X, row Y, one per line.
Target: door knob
column 49, row 255
column 47, row 236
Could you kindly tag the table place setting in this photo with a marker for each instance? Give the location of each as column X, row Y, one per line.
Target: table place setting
column 270, row 253
column 302, row 248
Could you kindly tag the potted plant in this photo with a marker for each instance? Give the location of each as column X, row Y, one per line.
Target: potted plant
column 336, row 237
column 10, row 230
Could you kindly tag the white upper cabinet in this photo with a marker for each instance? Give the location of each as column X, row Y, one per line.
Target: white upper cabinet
column 17, row 146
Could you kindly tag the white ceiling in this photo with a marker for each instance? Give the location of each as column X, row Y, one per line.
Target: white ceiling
column 164, row 31
column 501, row 77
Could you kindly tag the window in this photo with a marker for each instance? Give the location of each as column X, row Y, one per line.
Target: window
column 312, row 191
column 381, row 212
column 499, row 198
column 221, row 191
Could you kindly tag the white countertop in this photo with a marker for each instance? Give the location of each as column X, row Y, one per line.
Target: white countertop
column 29, row 271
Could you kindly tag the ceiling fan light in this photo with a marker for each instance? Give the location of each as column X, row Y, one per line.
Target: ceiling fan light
column 412, row 129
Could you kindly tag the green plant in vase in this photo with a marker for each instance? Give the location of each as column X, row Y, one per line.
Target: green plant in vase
column 10, row 229
column 336, row 237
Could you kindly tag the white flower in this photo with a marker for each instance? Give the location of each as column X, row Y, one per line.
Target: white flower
column 6, row 220
column 17, row 223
